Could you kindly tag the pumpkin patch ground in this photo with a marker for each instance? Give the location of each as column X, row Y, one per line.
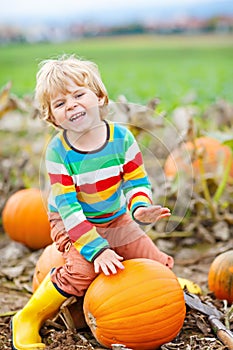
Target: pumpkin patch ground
column 17, row 268
column 200, row 228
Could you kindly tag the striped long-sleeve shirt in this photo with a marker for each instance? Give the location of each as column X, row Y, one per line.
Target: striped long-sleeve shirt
column 97, row 186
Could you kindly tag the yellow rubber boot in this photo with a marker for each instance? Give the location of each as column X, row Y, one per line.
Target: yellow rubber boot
column 27, row 322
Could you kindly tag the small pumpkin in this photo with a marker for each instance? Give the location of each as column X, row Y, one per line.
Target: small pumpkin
column 141, row 306
column 184, row 159
column 25, row 219
column 220, row 277
column 49, row 258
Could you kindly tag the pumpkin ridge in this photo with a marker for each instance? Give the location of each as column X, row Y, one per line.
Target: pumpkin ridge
column 127, row 309
column 153, row 312
column 25, row 218
column 230, row 282
column 220, row 277
column 118, row 294
column 162, row 333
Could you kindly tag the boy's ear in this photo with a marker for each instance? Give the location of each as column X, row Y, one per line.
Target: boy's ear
column 101, row 101
column 53, row 120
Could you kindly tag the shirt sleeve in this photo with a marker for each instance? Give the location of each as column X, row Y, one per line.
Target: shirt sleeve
column 82, row 233
column 137, row 187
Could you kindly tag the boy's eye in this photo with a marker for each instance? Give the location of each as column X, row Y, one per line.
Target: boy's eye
column 79, row 95
column 59, row 104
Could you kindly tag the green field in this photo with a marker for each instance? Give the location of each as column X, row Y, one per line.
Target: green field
column 138, row 67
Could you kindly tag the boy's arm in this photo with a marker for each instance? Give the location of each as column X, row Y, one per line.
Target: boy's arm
column 137, row 187
column 82, row 233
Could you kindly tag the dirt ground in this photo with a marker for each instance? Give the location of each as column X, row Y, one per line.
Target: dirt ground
column 17, row 268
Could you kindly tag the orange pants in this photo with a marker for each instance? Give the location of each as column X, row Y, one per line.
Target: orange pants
column 125, row 237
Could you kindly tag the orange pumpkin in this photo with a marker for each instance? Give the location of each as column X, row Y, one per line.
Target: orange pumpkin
column 25, row 219
column 50, row 258
column 220, row 277
column 141, row 307
column 212, row 151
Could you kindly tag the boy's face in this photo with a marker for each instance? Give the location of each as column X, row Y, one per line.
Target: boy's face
column 77, row 109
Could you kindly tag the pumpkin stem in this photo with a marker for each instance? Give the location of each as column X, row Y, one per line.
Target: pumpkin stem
column 92, row 321
column 206, row 190
column 223, row 183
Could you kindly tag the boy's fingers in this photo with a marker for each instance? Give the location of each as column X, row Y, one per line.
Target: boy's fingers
column 96, row 268
column 150, row 212
column 108, row 267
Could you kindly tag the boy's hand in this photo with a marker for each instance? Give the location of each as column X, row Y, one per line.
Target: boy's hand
column 108, row 262
column 151, row 214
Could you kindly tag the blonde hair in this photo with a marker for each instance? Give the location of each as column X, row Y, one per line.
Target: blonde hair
column 54, row 75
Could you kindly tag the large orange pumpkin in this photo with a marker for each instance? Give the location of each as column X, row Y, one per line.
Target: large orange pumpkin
column 141, row 307
column 220, row 278
column 50, row 258
column 184, row 159
column 25, row 219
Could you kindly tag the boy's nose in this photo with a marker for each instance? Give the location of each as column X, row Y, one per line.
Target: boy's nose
column 71, row 102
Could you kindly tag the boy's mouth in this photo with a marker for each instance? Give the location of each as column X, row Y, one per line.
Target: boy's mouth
column 77, row 116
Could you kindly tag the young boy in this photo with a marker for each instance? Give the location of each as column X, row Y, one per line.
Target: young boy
column 100, row 192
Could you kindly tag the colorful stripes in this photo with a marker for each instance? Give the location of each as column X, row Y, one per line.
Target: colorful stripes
column 96, row 187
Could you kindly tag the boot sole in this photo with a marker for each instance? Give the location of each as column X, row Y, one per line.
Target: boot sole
column 12, row 343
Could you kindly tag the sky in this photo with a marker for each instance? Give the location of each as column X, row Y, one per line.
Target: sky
column 15, row 11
